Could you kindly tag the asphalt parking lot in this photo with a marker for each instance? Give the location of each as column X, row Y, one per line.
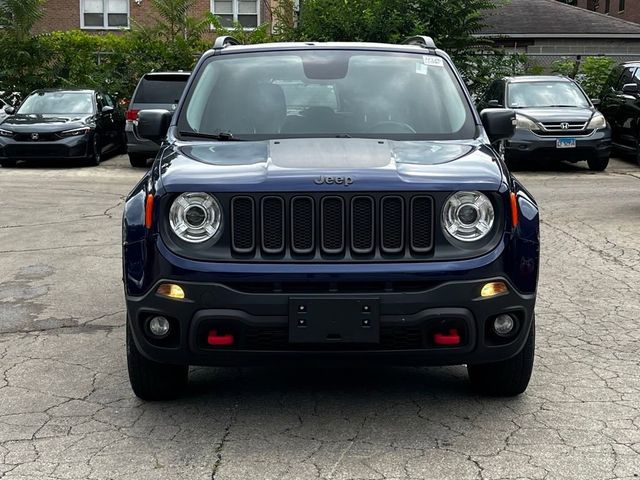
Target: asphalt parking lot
column 67, row 412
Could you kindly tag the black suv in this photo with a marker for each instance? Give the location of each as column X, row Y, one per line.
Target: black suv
column 621, row 106
column 329, row 202
column 555, row 120
column 155, row 90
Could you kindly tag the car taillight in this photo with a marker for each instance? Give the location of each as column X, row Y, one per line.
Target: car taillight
column 132, row 115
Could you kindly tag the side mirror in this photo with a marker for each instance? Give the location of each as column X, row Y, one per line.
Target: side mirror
column 500, row 123
column 9, row 110
column 630, row 88
column 494, row 104
column 107, row 109
column 596, row 102
column 154, row 124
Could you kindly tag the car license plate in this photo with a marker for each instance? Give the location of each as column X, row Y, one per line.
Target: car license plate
column 566, row 143
column 334, row 320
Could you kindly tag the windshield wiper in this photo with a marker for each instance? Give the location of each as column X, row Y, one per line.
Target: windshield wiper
column 222, row 136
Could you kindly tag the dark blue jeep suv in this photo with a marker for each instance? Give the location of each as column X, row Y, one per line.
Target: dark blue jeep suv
column 331, row 202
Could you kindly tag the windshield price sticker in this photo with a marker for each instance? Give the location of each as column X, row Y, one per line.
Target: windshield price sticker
column 432, row 61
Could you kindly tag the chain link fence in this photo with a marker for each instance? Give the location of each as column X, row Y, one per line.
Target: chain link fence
column 546, row 61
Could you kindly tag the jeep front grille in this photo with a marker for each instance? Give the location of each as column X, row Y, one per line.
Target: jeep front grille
column 353, row 226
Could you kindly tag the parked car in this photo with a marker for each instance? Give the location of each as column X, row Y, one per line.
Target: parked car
column 3, row 114
column 62, row 124
column 155, row 90
column 329, row 202
column 621, row 107
column 555, row 120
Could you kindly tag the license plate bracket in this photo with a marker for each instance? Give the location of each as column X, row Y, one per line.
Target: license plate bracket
column 566, row 143
column 334, row 320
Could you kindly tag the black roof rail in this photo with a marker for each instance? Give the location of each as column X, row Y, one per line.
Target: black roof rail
column 225, row 41
column 420, row 40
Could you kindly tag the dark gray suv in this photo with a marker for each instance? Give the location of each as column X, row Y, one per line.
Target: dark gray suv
column 155, row 90
column 555, row 120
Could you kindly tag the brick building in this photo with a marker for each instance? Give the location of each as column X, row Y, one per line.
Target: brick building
column 624, row 9
column 553, row 28
column 106, row 15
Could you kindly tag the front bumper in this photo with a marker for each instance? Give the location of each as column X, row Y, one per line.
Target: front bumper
column 259, row 320
column 525, row 144
column 69, row 148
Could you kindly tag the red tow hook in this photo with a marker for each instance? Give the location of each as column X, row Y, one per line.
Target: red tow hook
column 451, row 338
column 218, row 340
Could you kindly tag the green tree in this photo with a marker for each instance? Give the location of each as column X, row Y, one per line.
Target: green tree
column 174, row 22
column 18, row 17
column 452, row 23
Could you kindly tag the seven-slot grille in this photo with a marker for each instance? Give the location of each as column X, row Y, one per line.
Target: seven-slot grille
column 358, row 226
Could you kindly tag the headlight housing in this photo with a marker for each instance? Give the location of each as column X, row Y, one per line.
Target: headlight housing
column 468, row 216
column 196, row 217
column 76, row 132
column 525, row 123
column 597, row 121
column 6, row 133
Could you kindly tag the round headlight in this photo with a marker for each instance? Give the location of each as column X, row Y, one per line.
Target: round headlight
column 467, row 216
column 195, row 217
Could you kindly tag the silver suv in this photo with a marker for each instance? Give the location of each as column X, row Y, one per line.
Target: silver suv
column 155, row 90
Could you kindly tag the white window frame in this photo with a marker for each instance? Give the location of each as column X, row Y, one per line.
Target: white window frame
column 105, row 18
column 235, row 12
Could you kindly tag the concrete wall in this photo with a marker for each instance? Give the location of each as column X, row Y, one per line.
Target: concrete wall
column 585, row 46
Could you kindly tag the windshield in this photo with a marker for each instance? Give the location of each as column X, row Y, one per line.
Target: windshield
column 546, row 94
column 58, row 103
column 319, row 93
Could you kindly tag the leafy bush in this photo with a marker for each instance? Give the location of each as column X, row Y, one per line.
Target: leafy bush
column 480, row 70
column 565, row 67
column 593, row 74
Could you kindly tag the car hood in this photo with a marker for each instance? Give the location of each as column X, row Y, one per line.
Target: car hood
column 44, row 123
column 558, row 114
column 311, row 164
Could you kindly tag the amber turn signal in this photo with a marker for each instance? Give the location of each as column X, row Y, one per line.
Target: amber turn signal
column 492, row 289
column 148, row 211
column 514, row 210
column 171, row 290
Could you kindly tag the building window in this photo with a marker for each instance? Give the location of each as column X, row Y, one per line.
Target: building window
column 104, row 13
column 621, row 6
column 243, row 11
column 607, row 6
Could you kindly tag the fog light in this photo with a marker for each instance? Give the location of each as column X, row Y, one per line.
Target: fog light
column 504, row 325
column 159, row 327
column 171, row 290
column 492, row 289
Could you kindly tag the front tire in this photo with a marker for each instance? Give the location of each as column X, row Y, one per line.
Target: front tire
column 8, row 163
column 138, row 160
column 96, row 152
column 151, row 380
column 509, row 377
column 598, row 164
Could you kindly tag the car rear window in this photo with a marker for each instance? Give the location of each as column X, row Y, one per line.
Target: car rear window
column 161, row 89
